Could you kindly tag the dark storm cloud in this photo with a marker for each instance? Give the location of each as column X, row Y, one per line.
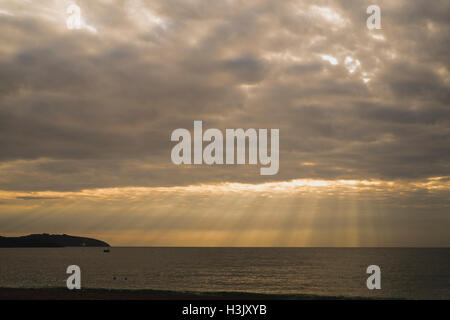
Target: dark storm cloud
column 418, row 82
column 37, row 198
column 83, row 109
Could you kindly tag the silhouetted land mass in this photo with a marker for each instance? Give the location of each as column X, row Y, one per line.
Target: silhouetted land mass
column 49, row 240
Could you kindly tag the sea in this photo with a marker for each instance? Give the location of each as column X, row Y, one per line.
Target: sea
column 405, row 273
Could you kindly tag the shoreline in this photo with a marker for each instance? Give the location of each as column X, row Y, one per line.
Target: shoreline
column 125, row 294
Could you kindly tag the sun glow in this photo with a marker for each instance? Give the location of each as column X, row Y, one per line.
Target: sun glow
column 279, row 187
column 299, row 212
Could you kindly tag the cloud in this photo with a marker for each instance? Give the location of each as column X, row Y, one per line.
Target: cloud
column 82, row 110
column 35, row 198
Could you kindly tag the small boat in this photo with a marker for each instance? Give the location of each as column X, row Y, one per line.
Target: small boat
column 106, row 250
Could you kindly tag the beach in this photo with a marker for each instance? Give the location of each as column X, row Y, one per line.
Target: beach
column 105, row 294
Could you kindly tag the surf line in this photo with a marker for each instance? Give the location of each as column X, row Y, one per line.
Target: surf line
column 213, row 153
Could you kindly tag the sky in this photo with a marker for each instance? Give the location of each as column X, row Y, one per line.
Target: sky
column 86, row 117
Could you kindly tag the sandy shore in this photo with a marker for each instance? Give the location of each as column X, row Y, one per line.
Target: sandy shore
column 98, row 294
column 104, row 294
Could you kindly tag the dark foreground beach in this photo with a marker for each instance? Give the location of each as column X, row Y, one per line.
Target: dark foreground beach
column 104, row 294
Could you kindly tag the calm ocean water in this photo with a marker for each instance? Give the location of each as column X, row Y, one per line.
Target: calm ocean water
column 405, row 273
